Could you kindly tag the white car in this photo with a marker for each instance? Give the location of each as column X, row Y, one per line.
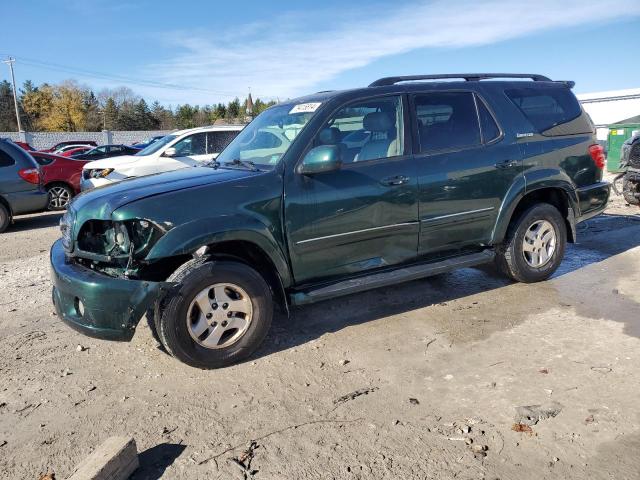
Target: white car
column 181, row 149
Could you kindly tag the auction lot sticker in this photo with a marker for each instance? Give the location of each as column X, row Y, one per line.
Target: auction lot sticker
column 305, row 107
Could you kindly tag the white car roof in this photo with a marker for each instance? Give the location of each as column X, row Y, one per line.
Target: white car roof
column 216, row 128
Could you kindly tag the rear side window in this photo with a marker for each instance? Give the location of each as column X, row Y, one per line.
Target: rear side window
column 6, row 160
column 488, row 125
column 446, row 120
column 42, row 160
column 218, row 141
column 545, row 107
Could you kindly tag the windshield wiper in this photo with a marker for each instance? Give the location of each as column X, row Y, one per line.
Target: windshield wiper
column 244, row 163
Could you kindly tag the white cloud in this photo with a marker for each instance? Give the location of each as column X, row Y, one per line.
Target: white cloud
column 291, row 54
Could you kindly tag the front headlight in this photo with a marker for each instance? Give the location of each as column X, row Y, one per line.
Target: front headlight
column 108, row 240
column 101, row 173
column 66, row 228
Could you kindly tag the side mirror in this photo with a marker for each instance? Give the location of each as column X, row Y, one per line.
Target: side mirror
column 324, row 158
column 170, row 152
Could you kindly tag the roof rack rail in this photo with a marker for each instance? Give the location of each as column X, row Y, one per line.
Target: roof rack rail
column 469, row 77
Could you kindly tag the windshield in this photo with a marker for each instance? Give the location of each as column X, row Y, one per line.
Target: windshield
column 155, row 146
column 265, row 140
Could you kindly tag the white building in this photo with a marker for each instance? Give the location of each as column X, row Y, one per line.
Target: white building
column 605, row 108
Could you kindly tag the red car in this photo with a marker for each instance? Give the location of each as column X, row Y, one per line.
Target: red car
column 25, row 146
column 88, row 143
column 60, row 176
column 75, row 151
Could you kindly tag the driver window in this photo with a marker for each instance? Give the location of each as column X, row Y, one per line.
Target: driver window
column 195, row 144
column 366, row 130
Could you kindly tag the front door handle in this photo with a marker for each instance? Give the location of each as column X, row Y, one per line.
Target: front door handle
column 507, row 164
column 395, row 180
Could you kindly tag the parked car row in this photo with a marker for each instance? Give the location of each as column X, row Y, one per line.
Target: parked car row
column 69, row 167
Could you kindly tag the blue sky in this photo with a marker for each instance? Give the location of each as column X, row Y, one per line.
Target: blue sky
column 207, row 51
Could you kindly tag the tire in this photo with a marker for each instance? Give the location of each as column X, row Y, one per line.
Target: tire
column 5, row 218
column 249, row 306
column 59, row 196
column 518, row 259
column 629, row 192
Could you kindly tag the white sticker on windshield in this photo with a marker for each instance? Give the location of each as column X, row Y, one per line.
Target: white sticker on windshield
column 305, row 107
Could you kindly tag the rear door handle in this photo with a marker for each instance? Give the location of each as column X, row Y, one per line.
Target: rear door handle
column 393, row 181
column 507, row 164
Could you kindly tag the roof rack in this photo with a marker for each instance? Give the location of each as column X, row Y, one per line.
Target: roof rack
column 469, row 77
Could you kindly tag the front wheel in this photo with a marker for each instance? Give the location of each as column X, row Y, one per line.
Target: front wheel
column 534, row 246
column 217, row 314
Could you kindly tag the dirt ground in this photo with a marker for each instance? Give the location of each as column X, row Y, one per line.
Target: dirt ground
column 418, row 381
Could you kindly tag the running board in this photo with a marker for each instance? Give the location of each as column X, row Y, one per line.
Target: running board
column 382, row 279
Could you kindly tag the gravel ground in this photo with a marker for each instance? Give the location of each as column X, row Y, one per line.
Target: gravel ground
column 420, row 380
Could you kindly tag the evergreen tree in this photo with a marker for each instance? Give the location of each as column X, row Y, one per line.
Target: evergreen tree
column 7, row 112
column 220, row 111
column 185, row 116
column 110, row 114
column 93, row 118
column 233, row 109
column 162, row 116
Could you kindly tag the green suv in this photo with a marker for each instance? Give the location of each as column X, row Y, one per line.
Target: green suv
column 329, row 194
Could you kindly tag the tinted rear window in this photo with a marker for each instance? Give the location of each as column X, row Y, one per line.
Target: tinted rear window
column 17, row 155
column 545, row 107
column 5, row 160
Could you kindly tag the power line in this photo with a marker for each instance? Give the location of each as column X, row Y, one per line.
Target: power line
column 117, row 78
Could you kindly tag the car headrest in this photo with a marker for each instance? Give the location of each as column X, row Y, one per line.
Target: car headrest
column 377, row 122
column 329, row 136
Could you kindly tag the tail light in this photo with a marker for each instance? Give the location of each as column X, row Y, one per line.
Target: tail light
column 31, row 175
column 597, row 154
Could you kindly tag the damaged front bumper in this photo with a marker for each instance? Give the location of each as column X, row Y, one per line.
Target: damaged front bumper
column 98, row 305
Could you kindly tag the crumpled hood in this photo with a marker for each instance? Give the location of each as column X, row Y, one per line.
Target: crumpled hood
column 99, row 203
column 113, row 162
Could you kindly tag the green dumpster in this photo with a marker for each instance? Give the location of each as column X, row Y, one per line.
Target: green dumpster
column 618, row 133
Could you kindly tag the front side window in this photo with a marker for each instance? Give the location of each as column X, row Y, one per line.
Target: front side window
column 195, row 144
column 366, row 130
column 446, row 120
column 154, row 147
column 97, row 151
column 268, row 137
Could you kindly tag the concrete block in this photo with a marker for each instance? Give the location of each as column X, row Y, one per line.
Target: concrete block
column 115, row 459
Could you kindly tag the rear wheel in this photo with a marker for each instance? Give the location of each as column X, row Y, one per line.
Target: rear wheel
column 218, row 314
column 59, row 196
column 534, row 246
column 5, row 218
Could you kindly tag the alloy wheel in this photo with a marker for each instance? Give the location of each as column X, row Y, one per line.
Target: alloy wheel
column 539, row 243
column 59, row 198
column 219, row 315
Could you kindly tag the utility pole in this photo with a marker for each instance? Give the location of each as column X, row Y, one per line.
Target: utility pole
column 10, row 61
